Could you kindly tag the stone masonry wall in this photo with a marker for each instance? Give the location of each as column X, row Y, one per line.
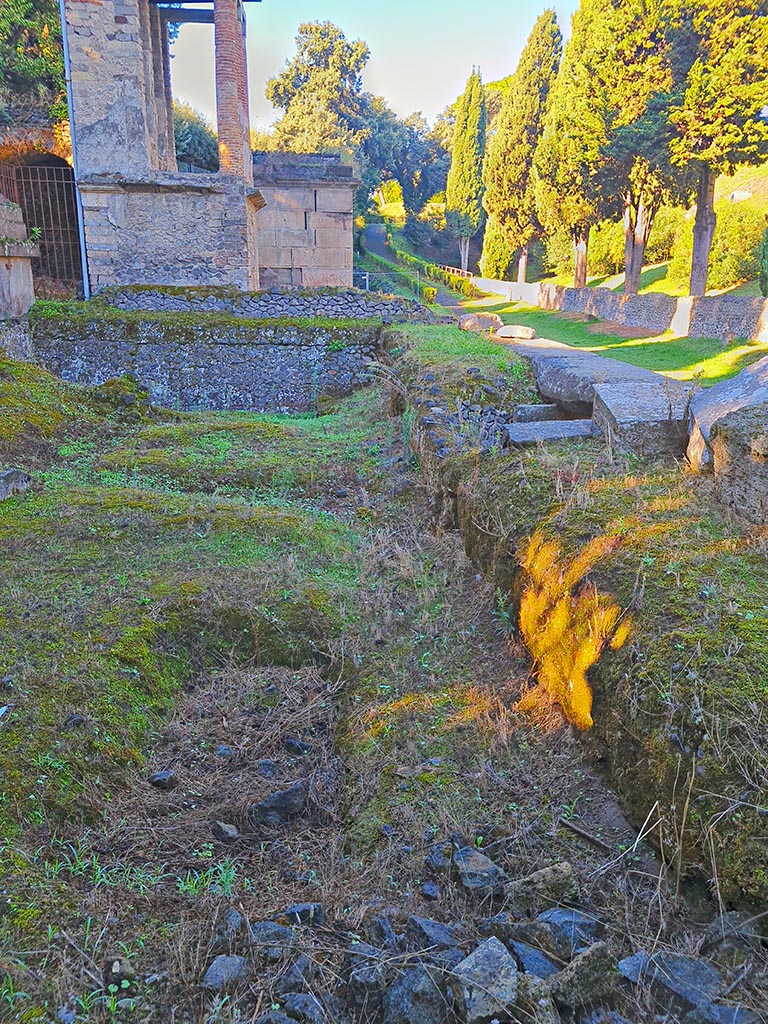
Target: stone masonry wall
column 15, row 341
column 711, row 316
column 210, row 362
column 341, row 303
column 305, row 230
column 170, row 229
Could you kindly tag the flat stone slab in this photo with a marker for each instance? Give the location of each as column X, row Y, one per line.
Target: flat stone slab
column 536, row 413
column 645, row 417
column 748, row 388
column 520, row 435
column 568, row 376
column 517, row 332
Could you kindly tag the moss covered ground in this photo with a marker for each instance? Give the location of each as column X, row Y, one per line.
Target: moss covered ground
column 198, row 592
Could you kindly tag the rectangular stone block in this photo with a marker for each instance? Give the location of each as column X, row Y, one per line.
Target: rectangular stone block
column 326, row 277
column 341, row 221
column 643, row 417
column 333, row 200
column 330, row 238
column 294, row 238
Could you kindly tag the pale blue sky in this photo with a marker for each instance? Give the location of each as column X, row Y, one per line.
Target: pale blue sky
column 421, row 52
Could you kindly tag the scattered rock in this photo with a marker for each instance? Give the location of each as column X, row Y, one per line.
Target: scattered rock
column 164, row 780
column 225, row 751
column 554, row 884
column 224, row 832
column 280, row 807
column 73, row 721
column 228, row 927
column 66, row 1015
column 274, row 1017
column 268, row 768
column 481, row 322
column 516, row 331
column 381, row 933
column 485, row 984
column 532, row 960
column 478, row 874
column 298, row 977
column 709, row 1013
column 731, row 938
column 366, row 983
column 676, row 982
column 225, row 973
column 272, row 940
column 431, row 891
column 605, row 1017
column 304, row 1007
column 418, row 994
column 119, row 975
column 534, row 1004
column 424, row 933
column 589, row 978
column 572, row 929
column 438, row 860
column 13, row 481
column 311, row 914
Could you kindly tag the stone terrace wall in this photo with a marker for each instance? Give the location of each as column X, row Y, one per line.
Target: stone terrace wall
column 344, row 303
column 712, row 316
column 15, row 341
column 211, row 362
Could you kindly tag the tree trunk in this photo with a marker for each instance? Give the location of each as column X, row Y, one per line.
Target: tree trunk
column 703, row 230
column 464, row 252
column 580, row 238
column 522, row 265
column 638, row 222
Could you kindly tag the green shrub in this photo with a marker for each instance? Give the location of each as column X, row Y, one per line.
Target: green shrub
column 740, row 227
column 605, row 255
column 428, row 294
column 762, row 260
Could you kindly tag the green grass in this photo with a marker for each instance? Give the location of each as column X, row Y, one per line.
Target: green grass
column 707, row 360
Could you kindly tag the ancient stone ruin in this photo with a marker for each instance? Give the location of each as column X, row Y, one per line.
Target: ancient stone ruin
column 146, row 223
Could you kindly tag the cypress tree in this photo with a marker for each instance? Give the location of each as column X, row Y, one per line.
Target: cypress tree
column 464, row 190
column 719, row 121
column 508, row 174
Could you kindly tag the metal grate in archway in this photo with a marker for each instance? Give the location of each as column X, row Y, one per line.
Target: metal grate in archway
column 46, row 196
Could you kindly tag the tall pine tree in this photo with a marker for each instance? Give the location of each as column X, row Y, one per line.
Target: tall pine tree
column 464, row 190
column 510, row 198
column 719, row 121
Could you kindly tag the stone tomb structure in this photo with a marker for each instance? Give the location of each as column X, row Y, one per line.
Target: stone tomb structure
column 146, row 223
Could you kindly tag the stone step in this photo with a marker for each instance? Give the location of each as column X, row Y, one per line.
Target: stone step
column 536, row 413
column 521, row 434
column 648, row 418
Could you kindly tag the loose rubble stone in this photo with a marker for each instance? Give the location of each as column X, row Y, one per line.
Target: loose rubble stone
column 280, row 807
column 228, row 927
column 268, row 768
column 381, row 932
column 478, row 874
column 485, row 984
column 572, row 929
column 366, row 982
column 224, row 832
column 302, row 913
column 517, row 331
column 532, row 960
column 676, row 982
column 418, row 994
column 589, row 978
column 554, row 884
column 304, row 1007
column 534, row 1004
column 274, row 1017
column 431, row 891
column 438, row 860
column 480, row 322
column 164, row 780
column 731, row 938
column 298, row 977
column 424, row 933
column 710, row 1013
column 606, row 1017
column 271, row 940
column 296, row 746
column 225, row 751
column 226, row 972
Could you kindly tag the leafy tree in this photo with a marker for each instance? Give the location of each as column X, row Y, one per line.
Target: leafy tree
column 31, row 58
column 320, row 92
column 195, row 139
column 509, row 187
column 497, row 252
column 464, row 188
column 569, row 164
column 719, row 120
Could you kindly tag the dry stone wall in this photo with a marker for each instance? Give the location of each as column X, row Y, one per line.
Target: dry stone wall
column 334, row 303
column 209, row 362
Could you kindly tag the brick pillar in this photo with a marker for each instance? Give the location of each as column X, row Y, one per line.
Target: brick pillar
column 231, row 114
